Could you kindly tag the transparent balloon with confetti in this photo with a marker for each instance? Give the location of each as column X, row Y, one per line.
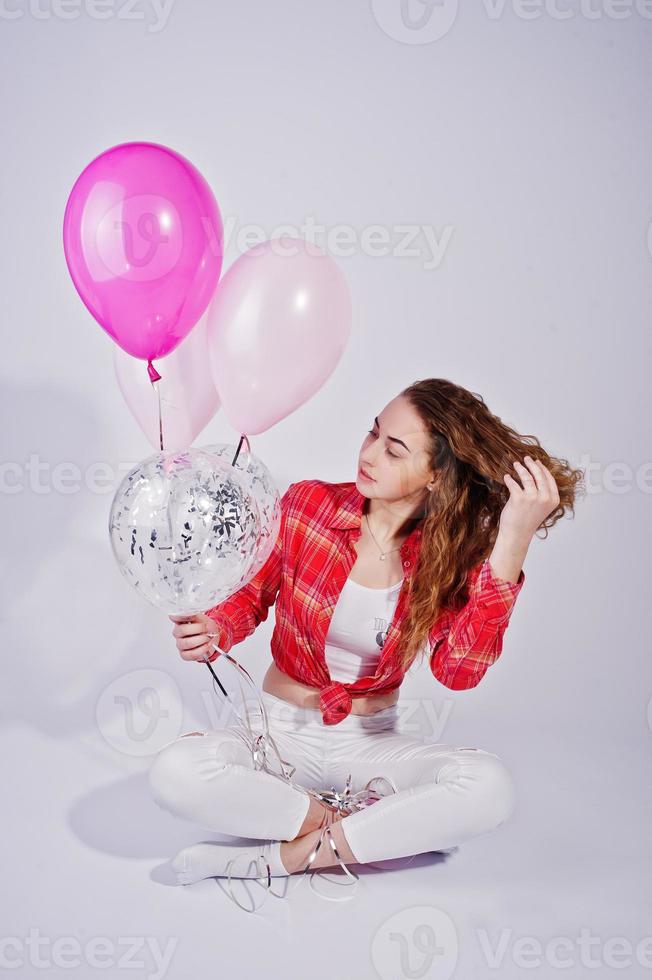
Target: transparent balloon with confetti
column 186, row 531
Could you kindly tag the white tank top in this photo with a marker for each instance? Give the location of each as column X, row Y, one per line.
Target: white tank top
column 357, row 630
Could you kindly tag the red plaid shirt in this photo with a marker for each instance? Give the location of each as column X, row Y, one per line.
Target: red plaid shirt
column 306, row 572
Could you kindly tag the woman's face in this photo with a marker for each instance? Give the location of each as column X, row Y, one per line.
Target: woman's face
column 395, row 453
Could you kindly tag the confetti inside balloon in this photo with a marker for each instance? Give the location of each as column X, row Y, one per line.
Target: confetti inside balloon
column 185, row 530
column 258, row 480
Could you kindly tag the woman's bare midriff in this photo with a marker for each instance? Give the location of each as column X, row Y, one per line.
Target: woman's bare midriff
column 281, row 686
column 368, row 572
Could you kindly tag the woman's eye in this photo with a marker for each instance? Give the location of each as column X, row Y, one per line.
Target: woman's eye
column 393, row 455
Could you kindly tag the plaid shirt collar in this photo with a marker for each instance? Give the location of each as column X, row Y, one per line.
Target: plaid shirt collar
column 348, row 515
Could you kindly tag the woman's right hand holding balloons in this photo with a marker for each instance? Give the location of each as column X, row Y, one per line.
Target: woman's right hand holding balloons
column 192, row 636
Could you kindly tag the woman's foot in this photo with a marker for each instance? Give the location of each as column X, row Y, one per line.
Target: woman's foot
column 319, row 813
column 212, row 859
column 296, row 854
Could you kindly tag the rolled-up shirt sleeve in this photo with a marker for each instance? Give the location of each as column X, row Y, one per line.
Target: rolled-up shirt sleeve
column 464, row 644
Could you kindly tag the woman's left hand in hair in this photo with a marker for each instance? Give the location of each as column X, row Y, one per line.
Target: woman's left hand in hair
column 530, row 501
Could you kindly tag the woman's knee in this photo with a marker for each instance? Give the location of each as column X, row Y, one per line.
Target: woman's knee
column 166, row 771
column 498, row 789
column 486, row 778
column 175, row 768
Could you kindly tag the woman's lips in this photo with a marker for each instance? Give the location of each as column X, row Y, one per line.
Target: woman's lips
column 365, row 476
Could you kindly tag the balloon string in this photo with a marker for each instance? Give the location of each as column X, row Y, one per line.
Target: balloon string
column 215, row 677
column 237, row 452
column 160, row 418
column 155, row 377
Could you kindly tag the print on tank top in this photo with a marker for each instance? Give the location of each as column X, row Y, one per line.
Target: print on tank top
column 382, row 626
column 358, row 630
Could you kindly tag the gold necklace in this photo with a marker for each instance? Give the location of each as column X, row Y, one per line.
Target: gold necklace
column 383, row 554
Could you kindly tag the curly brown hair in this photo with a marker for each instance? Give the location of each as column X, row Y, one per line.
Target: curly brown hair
column 471, row 449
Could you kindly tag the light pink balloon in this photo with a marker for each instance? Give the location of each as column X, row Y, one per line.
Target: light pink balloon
column 278, row 324
column 188, row 396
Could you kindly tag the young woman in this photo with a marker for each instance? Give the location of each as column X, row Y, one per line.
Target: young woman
column 422, row 554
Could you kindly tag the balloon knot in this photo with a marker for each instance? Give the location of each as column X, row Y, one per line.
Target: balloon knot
column 153, row 373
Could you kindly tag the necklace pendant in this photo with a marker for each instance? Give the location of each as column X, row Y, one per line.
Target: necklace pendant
column 383, row 556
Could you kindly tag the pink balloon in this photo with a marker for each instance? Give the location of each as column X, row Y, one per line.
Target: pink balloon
column 143, row 240
column 277, row 326
column 188, row 396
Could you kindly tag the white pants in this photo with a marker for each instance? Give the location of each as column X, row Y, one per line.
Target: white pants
column 446, row 794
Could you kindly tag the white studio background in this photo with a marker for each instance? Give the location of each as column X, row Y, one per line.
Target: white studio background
column 483, row 175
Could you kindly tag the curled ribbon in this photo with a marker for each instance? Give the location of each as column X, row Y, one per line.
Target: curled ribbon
column 262, row 745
